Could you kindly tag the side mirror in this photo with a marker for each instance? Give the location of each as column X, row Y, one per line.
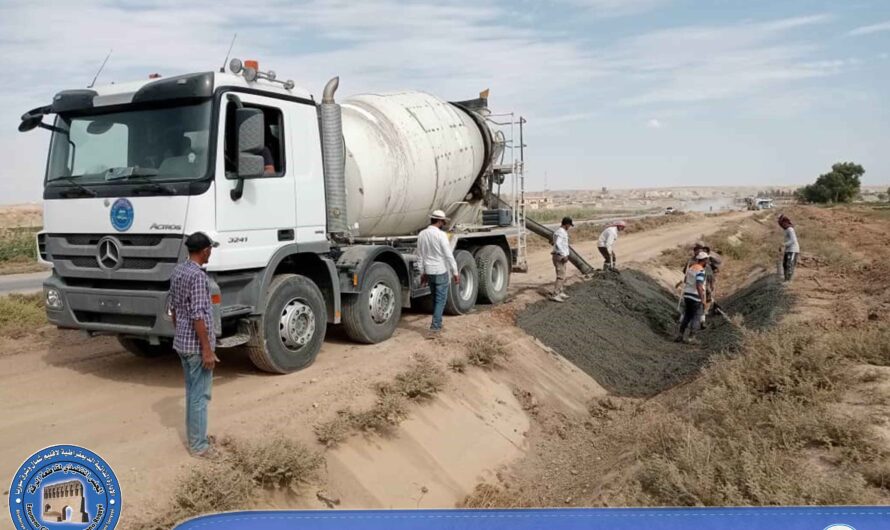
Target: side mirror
column 250, row 131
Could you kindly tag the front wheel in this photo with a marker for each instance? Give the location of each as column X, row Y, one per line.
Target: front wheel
column 462, row 297
column 291, row 330
column 372, row 315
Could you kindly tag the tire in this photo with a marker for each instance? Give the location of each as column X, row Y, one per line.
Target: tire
column 142, row 348
column 462, row 298
column 494, row 274
column 373, row 315
column 289, row 334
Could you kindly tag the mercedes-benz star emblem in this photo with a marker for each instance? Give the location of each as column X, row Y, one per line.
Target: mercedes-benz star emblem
column 108, row 253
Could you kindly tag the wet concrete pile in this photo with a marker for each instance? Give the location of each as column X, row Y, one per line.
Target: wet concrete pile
column 619, row 329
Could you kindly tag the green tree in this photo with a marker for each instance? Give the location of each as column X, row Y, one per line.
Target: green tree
column 841, row 184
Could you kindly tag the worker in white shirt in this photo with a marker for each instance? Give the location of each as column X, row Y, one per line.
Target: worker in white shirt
column 560, row 254
column 437, row 265
column 607, row 242
column 790, row 247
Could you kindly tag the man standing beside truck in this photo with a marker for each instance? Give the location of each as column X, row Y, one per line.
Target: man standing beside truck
column 436, row 260
column 560, row 254
column 194, row 340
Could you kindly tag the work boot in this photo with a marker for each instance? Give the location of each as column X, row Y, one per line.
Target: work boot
column 563, row 295
column 556, row 298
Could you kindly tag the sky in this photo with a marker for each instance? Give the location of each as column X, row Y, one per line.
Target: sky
column 617, row 93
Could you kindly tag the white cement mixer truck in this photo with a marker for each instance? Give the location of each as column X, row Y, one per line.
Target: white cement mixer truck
column 315, row 206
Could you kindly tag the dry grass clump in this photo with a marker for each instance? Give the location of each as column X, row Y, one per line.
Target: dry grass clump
column 418, row 383
column 388, row 411
column 491, row 496
column 458, row 364
column 21, row 312
column 486, row 351
column 870, row 346
column 231, row 481
column 744, row 437
column 278, row 462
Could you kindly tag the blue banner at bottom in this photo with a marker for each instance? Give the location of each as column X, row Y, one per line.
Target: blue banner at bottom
column 802, row 518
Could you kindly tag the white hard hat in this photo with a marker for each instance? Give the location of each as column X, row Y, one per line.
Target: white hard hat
column 702, row 255
column 438, row 214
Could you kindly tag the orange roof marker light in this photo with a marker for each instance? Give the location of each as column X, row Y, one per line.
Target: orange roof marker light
column 250, row 70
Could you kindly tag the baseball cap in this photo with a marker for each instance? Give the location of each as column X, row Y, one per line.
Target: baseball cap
column 567, row 221
column 199, row 241
column 438, row 214
column 702, row 255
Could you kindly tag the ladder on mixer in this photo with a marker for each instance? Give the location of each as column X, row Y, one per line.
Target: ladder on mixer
column 509, row 129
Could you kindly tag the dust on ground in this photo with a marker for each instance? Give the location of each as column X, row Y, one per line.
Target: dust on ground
column 619, row 329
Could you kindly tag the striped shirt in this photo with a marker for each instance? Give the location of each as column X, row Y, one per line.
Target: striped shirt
column 695, row 275
column 190, row 301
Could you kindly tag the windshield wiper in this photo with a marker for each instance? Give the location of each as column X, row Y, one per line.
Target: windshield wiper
column 141, row 173
column 70, row 180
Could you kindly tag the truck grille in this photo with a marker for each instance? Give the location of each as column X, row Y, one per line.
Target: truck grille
column 134, row 257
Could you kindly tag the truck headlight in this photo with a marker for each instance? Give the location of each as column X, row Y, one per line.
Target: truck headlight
column 53, row 299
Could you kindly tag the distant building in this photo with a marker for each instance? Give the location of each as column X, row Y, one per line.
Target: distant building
column 538, row 203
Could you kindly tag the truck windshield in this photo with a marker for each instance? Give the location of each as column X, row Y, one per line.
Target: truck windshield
column 168, row 143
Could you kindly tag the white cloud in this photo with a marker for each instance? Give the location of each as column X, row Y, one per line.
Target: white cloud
column 615, row 8
column 872, row 28
column 699, row 63
column 654, row 123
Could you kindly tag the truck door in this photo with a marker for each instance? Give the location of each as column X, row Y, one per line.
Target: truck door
column 265, row 215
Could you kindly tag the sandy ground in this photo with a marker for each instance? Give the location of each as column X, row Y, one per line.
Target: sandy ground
column 59, row 387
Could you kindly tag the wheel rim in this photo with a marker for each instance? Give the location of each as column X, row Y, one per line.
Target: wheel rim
column 296, row 326
column 381, row 302
column 497, row 276
column 467, row 284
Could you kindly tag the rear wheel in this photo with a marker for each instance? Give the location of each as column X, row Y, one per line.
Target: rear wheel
column 494, row 273
column 372, row 315
column 462, row 297
column 291, row 330
column 142, row 348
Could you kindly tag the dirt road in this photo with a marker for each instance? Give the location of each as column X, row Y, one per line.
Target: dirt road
column 29, row 282
column 63, row 388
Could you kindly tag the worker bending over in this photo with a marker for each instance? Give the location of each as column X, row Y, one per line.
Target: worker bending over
column 560, row 254
column 607, row 242
column 712, row 269
column 790, row 248
column 693, row 298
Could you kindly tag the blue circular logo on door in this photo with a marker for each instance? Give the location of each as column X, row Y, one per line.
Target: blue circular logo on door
column 122, row 215
column 65, row 487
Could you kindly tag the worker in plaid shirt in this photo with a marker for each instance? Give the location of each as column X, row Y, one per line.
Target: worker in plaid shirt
column 195, row 339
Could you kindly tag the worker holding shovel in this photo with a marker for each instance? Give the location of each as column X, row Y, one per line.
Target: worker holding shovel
column 607, row 241
column 694, row 298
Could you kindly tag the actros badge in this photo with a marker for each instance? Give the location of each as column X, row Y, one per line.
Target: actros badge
column 65, row 487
